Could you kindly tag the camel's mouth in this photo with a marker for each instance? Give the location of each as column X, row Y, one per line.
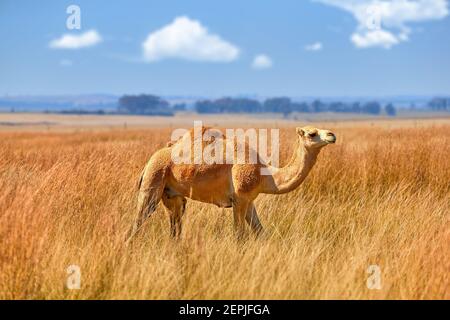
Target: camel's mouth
column 330, row 137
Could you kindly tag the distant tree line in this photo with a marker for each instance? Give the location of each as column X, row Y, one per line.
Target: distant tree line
column 230, row 105
column 285, row 105
column 439, row 104
column 146, row 104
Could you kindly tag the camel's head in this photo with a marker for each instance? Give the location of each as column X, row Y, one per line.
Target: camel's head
column 315, row 138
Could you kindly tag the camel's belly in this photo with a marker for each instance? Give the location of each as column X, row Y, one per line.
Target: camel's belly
column 210, row 184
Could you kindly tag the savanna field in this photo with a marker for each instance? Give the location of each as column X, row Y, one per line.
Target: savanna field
column 379, row 196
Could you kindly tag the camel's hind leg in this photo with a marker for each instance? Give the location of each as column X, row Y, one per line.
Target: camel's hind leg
column 176, row 207
column 252, row 219
column 240, row 207
column 151, row 187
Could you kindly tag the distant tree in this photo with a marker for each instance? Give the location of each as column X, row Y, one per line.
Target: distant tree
column 333, row 106
column 143, row 104
column 281, row 104
column 318, row 106
column 235, row 105
column 228, row 105
column 206, row 106
column 179, row 107
column 339, row 107
column 439, row 104
column 371, row 107
column 248, row 105
column 390, row 110
column 356, row 107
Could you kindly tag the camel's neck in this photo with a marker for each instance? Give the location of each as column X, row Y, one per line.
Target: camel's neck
column 288, row 178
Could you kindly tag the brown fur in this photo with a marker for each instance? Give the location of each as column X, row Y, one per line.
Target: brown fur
column 225, row 185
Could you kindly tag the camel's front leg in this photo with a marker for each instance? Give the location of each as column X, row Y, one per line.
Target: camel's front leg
column 239, row 212
column 252, row 219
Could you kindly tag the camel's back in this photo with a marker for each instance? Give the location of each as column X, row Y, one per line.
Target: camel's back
column 208, row 146
column 205, row 171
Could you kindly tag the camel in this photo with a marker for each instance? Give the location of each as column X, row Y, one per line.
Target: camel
column 226, row 185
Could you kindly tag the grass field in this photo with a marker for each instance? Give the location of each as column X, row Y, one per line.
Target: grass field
column 380, row 196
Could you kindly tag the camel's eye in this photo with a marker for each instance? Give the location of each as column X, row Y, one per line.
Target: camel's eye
column 312, row 134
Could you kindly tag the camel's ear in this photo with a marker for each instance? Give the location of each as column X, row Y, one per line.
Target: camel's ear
column 300, row 132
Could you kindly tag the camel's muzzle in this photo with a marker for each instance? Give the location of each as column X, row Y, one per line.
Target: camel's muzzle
column 331, row 138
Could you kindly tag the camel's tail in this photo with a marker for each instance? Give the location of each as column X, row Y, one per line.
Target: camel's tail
column 150, row 189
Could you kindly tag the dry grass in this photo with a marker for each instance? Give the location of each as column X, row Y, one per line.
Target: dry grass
column 379, row 196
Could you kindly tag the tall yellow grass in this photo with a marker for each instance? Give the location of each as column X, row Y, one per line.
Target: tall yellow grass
column 379, row 196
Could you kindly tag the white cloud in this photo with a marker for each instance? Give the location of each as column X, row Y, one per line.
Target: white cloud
column 187, row 39
column 72, row 41
column 316, row 46
column 376, row 38
column 262, row 61
column 385, row 23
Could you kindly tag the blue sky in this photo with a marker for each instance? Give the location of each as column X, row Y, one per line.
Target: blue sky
column 215, row 48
